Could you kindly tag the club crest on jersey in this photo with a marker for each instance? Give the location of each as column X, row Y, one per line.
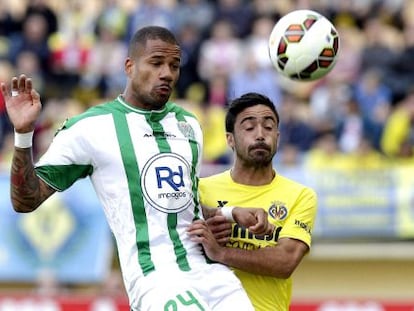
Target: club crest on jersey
column 166, row 183
column 278, row 210
column 186, row 129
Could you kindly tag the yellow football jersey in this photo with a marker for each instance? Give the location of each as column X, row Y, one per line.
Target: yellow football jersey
column 291, row 208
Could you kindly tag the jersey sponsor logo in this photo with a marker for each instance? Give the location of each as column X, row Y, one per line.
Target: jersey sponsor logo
column 242, row 238
column 278, row 210
column 166, row 183
column 159, row 134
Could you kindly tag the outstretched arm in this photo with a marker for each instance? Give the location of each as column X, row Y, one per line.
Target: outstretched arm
column 23, row 107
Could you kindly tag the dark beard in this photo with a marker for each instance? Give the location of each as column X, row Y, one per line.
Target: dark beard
column 257, row 160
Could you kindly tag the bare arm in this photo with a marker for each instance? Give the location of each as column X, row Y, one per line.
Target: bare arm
column 23, row 107
column 27, row 191
column 279, row 261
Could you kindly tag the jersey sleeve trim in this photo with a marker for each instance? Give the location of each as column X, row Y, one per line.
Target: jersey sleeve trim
column 61, row 177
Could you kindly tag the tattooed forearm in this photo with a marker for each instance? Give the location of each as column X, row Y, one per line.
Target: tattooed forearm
column 26, row 189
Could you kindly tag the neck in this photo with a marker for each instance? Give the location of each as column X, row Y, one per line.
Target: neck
column 253, row 176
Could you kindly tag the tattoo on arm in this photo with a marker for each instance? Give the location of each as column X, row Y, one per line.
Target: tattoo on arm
column 27, row 191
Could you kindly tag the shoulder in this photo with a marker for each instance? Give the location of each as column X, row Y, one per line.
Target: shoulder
column 294, row 186
column 101, row 109
column 179, row 110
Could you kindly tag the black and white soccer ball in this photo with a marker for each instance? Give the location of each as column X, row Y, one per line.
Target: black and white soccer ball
column 303, row 45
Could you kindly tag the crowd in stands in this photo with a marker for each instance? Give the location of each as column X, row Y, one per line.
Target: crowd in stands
column 363, row 110
column 360, row 115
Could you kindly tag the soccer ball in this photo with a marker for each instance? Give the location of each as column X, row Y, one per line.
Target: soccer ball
column 303, row 45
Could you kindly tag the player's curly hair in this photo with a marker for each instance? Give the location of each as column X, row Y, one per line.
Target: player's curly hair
column 247, row 100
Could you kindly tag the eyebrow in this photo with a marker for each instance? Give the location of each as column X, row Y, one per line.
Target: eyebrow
column 163, row 57
column 250, row 118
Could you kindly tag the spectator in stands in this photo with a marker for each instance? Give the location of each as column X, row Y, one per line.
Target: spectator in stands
column 41, row 7
column 77, row 19
column 70, row 48
column 324, row 153
column 327, row 104
column 266, row 8
column 33, row 38
column 69, row 60
column 295, row 128
column 221, row 52
column 150, row 12
column 255, row 72
column 257, row 41
column 8, row 24
column 104, row 66
column 350, row 130
column 377, row 51
column 114, row 16
column 253, row 77
column 402, row 77
column 397, row 139
column 374, row 101
column 190, row 38
column 238, row 13
column 197, row 13
column 364, row 157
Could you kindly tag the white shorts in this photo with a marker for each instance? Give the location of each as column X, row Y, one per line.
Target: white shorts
column 214, row 288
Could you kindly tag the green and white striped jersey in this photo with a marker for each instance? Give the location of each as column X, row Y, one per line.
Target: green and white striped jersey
column 144, row 167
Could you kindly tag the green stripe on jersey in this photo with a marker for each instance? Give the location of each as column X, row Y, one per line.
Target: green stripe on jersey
column 135, row 192
column 179, row 250
column 194, row 150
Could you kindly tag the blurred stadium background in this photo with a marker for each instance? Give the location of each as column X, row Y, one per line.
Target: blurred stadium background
column 349, row 135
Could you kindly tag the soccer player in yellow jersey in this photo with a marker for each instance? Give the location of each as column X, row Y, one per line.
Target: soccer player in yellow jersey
column 264, row 264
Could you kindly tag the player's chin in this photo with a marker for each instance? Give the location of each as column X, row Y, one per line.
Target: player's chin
column 261, row 162
column 262, row 156
column 162, row 100
column 163, row 93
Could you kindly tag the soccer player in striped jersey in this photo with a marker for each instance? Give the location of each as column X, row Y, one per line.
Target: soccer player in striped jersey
column 264, row 263
column 142, row 154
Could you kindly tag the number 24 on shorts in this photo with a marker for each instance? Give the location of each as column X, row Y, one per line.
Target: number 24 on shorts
column 187, row 300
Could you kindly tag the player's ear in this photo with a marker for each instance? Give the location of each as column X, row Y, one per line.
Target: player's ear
column 230, row 140
column 129, row 63
column 277, row 139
